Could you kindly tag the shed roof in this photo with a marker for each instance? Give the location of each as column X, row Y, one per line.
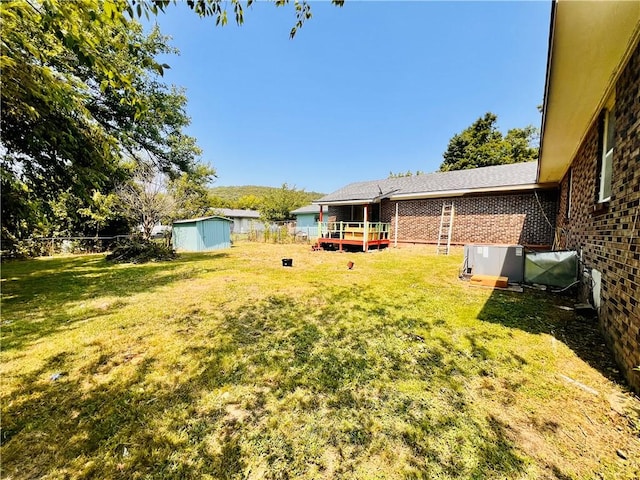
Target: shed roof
column 517, row 176
column 199, row 219
column 238, row 213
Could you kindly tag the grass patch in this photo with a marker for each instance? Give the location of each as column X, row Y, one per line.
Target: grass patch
column 229, row 366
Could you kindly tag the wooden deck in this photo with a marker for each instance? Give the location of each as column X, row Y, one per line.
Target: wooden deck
column 366, row 235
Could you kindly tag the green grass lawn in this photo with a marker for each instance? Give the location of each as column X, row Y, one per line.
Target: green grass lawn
column 229, row 366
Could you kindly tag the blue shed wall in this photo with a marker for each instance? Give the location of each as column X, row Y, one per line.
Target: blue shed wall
column 202, row 235
column 185, row 236
column 214, row 233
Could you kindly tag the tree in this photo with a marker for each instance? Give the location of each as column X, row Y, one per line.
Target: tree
column 482, row 145
column 102, row 210
column 144, row 199
column 80, row 96
column 409, row 173
column 519, row 143
column 190, row 192
column 277, row 206
column 248, row 202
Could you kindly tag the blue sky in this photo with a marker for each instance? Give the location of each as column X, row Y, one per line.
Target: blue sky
column 362, row 90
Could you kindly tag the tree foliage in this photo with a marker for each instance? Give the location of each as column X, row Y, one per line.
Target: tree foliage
column 80, row 97
column 191, row 194
column 103, row 209
column 250, row 196
column 277, row 206
column 144, row 199
column 482, row 145
column 408, row 173
column 218, row 10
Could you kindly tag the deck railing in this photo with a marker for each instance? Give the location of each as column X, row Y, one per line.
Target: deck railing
column 362, row 231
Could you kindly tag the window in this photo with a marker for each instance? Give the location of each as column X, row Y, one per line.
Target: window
column 608, row 144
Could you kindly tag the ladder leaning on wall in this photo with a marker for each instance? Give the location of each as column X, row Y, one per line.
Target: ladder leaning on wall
column 446, row 227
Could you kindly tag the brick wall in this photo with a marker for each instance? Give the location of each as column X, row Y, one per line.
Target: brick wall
column 608, row 239
column 506, row 218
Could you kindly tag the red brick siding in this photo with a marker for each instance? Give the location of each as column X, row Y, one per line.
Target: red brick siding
column 609, row 240
column 507, row 218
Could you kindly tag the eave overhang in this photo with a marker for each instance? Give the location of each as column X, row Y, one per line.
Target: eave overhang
column 589, row 44
column 444, row 193
column 473, row 191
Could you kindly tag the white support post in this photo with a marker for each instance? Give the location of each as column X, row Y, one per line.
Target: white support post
column 395, row 229
column 365, row 236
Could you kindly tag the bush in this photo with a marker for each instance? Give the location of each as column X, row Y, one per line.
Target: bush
column 137, row 250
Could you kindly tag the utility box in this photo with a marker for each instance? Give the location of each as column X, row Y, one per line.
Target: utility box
column 495, row 260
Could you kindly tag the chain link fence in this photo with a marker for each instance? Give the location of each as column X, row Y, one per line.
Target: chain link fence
column 48, row 246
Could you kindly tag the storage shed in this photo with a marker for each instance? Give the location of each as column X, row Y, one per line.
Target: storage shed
column 202, row 234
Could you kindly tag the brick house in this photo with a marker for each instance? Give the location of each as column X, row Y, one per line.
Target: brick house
column 591, row 147
column 499, row 204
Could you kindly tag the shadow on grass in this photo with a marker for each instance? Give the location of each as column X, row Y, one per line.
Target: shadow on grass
column 62, row 428
column 297, row 393
column 50, row 284
column 351, row 363
column 529, row 311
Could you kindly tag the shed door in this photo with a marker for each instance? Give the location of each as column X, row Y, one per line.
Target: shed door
column 185, row 237
column 214, row 234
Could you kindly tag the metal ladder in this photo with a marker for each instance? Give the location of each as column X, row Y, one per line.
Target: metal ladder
column 446, row 227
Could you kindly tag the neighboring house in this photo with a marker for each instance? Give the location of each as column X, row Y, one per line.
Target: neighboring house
column 202, row 234
column 244, row 221
column 591, row 147
column 499, row 204
column 160, row 231
column 307, row 219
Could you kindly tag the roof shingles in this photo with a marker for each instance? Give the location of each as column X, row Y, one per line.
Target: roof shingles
column 499, row 176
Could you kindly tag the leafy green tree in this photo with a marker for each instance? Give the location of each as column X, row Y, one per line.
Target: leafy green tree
column 191, row 193
column 219, row 202
column 81, row 78
column 482, row 145
column 102, row 210
column 277, row 206
column 520, row 143
column 83, row 82
column 249, row 202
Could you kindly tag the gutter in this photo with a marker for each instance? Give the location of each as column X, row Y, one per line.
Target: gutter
column 348, row 202
column 470, row 191
column 443, row 193
column 360, row 201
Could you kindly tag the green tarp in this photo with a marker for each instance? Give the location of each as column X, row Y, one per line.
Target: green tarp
column 557, row 269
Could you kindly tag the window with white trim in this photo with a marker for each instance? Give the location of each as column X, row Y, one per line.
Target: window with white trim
column 608, row 145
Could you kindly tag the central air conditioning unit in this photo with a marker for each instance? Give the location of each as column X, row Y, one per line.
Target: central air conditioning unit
column 495, row 260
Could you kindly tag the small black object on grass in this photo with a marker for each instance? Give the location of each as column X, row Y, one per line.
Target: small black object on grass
column 287, row 262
